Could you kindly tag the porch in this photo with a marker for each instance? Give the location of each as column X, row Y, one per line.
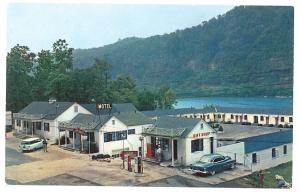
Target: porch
column 165, row 140
column 28, row 124
column 76, row 137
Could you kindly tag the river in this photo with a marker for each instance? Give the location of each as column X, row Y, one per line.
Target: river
column 241, row 102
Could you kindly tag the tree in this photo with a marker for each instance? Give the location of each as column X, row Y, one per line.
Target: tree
column 146, row 100
column 63, row 56
column 45, row 66
column 19, row 64
column 123, row 90
column 166, row 97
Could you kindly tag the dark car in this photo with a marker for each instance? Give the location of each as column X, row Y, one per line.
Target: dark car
column 212, row 163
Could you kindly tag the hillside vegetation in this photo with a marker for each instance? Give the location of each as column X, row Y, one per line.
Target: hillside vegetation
column 244, row 52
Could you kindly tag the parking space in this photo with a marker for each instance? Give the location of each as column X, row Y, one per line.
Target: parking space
column 61, row 167
column 14, row 157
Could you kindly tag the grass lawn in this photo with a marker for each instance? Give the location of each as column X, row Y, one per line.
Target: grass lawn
column 284, row 170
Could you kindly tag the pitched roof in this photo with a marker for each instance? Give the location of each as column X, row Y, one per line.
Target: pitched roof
column 133, row 118
column 172, row 126
column 237, row 132
column 267, row 141
column 116, row 107
column 91, row 121
column 45, row 109
column 271, row 111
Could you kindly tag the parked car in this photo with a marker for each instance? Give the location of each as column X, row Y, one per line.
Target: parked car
column 212, row 163
column 31, row 144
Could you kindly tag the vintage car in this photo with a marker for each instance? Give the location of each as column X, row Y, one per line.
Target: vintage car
column 212, row 163
column 31, row 144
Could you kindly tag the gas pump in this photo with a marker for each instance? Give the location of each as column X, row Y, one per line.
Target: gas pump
column 129, row 164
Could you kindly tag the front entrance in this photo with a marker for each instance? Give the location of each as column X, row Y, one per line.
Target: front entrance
column 175, row 149
column 255, row 119
column 267, row 120
column 211, row 144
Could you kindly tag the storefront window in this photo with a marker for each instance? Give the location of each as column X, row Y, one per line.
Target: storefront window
column 165, row 144
column 197, row 145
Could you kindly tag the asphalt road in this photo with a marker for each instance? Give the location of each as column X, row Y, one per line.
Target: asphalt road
column 176, row 181
column 14, row 157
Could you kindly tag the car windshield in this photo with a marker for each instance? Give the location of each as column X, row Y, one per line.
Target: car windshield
column 205, row 159
column 25, row 142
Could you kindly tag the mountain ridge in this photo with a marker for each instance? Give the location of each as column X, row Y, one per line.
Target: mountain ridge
column 210, row 58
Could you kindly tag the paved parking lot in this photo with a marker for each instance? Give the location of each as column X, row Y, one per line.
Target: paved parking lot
column 61, row 167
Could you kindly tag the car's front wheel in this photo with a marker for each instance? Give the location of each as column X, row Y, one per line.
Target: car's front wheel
column 232, row 166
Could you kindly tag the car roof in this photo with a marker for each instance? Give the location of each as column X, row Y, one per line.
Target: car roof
column 31, row 139
column 212, row 155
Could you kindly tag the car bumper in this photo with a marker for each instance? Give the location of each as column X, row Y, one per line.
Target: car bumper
column 198, row 171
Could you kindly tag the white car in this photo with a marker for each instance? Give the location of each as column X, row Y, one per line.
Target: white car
column 31, row 144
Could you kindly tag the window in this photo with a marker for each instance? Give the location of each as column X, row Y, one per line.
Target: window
column 290, row 119
column 165, row 144
column 76, row 109
column 245, row 117
column 254, row 158
column 284, row 149
column 219, row 116
column 201, row 126
column 218, row 159
column 115, row 136
column 282, row 119
column 18, row 122
column 197, row 145
column 207, row 116
column 261, row 118
column 70, row 134
column 90, row 136
column 46, row 126
column 38, row 125
column 131, row 131
column 274, row 153
column 113, row 122
column 231, row 116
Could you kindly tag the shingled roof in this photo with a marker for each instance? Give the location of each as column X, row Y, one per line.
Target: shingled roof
column 45, row 109
column 270, row 111
column 268, row 141
column 116, row 108
column 91, row 121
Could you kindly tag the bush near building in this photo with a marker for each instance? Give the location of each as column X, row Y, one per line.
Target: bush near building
column 285, row 170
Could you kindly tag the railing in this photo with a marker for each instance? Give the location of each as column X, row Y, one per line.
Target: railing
column 175, row 132
column 28, row 116
column 69, row 125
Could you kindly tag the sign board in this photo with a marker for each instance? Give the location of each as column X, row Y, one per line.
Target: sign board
column 197, row 135
column 78, row 130
column 104, row 106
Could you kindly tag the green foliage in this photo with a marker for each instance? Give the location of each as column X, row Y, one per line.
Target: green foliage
column 247, row 51
column 48, row 75
column 19, row 65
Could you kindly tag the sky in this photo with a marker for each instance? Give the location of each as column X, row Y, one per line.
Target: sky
column 93, row 25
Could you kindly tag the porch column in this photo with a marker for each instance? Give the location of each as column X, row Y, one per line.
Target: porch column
column 74, row 140
column 31, row 128
column 172, row 144
column 81, row 142
column 65, row 137
column 59, row 137
column 89, row 142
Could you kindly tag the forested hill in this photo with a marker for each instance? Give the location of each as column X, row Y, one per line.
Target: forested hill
column 247, row 51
